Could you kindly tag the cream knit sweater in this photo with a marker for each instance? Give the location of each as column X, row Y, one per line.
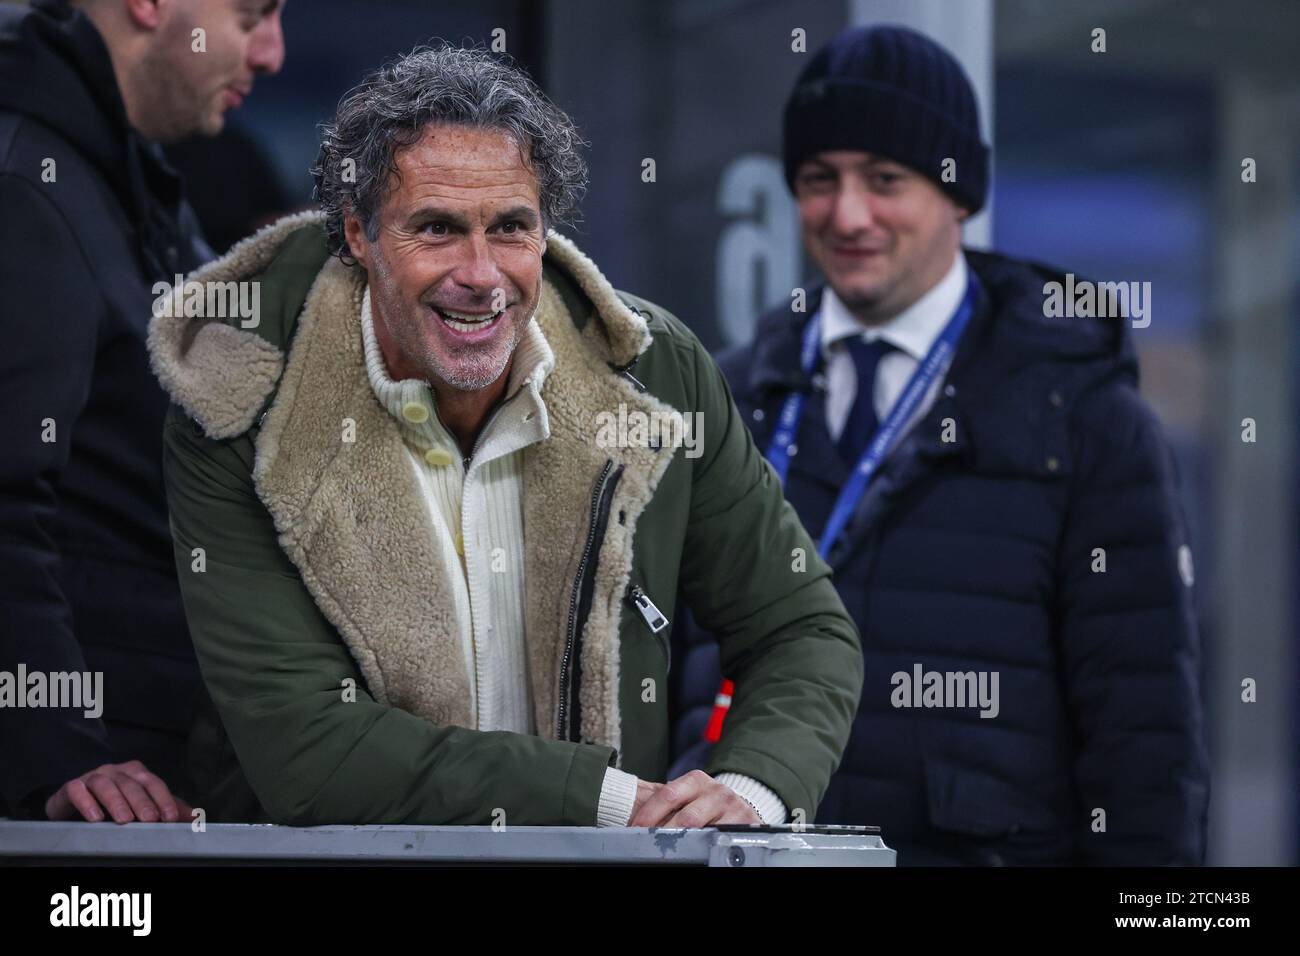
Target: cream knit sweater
column 477, row 523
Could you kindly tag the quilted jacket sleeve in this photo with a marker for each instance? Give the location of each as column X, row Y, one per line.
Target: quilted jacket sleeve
column 1129, row 643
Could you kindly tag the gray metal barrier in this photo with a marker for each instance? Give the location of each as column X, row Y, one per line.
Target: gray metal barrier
column 162, row 843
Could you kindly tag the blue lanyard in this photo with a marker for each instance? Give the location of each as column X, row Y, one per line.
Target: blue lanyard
column 918, row 386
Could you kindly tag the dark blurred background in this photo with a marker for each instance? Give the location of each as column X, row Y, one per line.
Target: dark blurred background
column 1123, row 165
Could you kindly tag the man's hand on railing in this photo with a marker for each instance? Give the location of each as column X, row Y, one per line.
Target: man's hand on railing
column 126, row 791
column 692, row 800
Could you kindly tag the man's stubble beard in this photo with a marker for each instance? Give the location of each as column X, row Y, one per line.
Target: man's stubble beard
column 873, row 308
column 411, row 339
column 174, row 106
column 884, row 304
column 482, row 371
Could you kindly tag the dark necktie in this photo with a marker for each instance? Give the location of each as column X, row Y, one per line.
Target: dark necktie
column 862, row 422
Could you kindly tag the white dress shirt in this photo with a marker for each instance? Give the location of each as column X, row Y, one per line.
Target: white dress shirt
column 912, row 332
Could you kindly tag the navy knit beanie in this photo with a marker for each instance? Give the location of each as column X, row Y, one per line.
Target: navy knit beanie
column 896, row 93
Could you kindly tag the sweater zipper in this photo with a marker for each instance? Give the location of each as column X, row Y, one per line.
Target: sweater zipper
column 478, row 440
column 478, row 657
column 601, row 494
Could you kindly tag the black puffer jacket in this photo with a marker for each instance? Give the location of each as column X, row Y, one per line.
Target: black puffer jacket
column 90, row 219
column 977, row 554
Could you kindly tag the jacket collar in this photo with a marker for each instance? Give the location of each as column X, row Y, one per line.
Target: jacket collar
column 349, row 513
column 778, row 345
column 1010, row 314
column 56, row 69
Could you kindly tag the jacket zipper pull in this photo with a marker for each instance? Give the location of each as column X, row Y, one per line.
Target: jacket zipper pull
column 626, row 372
column 652, row 616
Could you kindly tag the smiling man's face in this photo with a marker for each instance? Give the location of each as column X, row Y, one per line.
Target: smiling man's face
column 455, row 269
column 882, row 233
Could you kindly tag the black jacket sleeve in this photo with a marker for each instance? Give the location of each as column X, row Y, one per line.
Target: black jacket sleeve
column 1130, row 655
column 49, row 310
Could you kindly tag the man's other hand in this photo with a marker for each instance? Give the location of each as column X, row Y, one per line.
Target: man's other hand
column 692, row 800
column 127, row 791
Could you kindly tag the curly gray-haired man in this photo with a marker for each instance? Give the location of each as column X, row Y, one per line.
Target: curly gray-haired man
column 444, row 520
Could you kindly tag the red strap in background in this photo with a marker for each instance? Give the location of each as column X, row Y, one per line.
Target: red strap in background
column 721, row 704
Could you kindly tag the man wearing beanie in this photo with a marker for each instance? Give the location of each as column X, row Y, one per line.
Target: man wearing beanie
column 996, row 501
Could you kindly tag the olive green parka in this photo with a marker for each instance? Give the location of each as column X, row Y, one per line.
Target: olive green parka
column 303, row 545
